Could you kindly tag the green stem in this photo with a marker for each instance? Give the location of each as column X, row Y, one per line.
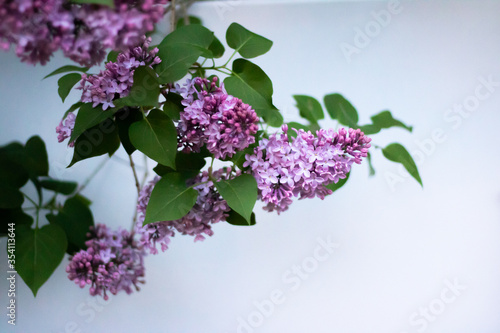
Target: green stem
column 92, row 175
column 172, row 16
column 218, row 69
column 210, row 168
column 146, row 173
column 31, row 200
column 198, row 184
column 132, row 165
column 231, row 57
column 37, row 217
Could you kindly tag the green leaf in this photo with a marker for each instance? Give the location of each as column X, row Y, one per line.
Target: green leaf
column 72, row 108
column 245, row 42
column 155, row 136
column 170, row 200
column 12, row 160
column 67, row 68
column 39, row 252
column 297, row 126
column 381, row 121
column 124, row 119
column 385, row 120
column 161, row 170
column 59, row 186
column 335, row 186
column 180, row 49
column 36, row 159
column 192, row 20
column 272, row 117
column 16, row 216
column 173, row 107
column 88, row 117
column 341, row 109
column 108, row 3
column 240, row 194
column 98, row 140
column 397, row 153
column 188, row 165
column 66, row 83
column 10, row 197
column 309, row 108
column 370, row 165
column 236, row 219
column 145, row 89
column 13, row 151
column 370, row 129
column 253, row 87
column 112, row 56
column 75, row 218
column 291, row 133
column 216, row 48
column 239, row 157
column 18, row 163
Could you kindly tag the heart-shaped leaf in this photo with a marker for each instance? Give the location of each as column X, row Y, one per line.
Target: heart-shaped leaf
column 155, row 136
column 170, row 200
column 253, row 86
column 341, row 109
column 240, row 194
column 309, row 108
column 75, row 218
column 39, row 252
column 66, row 83
column 180, row 49
column 245, row 42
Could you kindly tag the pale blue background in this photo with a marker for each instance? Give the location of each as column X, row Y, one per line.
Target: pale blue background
column 397, row 245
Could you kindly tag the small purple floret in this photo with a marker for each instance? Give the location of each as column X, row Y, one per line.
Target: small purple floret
column 303, row 167
column 113, row 261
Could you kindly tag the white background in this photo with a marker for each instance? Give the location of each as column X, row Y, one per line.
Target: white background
column 398, row 243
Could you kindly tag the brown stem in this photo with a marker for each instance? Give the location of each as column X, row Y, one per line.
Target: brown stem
column 132, row 165
column 172, row 15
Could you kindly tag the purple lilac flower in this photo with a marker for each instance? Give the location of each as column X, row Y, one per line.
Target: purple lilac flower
column 118, row 77
column 65, row 128
column 213, row 117
column 113, row 261
column 209, row 208
column 83, row 32
column 303, row 167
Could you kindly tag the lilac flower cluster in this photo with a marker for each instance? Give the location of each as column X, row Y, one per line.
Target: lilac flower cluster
column 303, row 167
column 213, row 117
column 83, row 32
column 65, row 128
column 118, row 77
column 112, row 262
column 209, row 208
